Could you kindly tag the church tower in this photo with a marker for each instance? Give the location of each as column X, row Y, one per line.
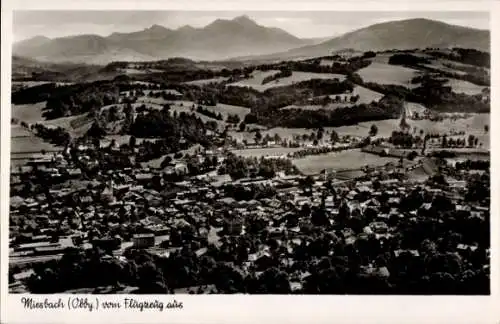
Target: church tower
column 403, row 124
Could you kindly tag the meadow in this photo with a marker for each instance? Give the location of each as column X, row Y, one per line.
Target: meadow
column 460, row 86
column 29, row 144
column 226, row 110
column 256, row 81
column 383, row 73
column 260, row 152
column 345, row 160
column 366, row 96
column 207, row 81
column 29, row 113
column 473, row 125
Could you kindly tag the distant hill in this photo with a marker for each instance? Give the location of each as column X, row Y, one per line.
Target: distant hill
column 221, row 39
column 29, row 69
column 402, row 34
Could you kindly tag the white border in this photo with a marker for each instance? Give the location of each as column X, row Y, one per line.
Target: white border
column 274, row 309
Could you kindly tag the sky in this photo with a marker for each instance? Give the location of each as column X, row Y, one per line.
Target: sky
column 27, row 24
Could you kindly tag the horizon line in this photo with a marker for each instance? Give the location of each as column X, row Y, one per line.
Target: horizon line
column 239, row 17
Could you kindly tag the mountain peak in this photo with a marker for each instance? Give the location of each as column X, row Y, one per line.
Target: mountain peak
column 156, row 27
column 39, row 38
column 244, row 19
column 186, row 28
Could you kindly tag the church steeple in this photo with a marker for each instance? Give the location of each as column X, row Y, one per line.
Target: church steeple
column 403, row 124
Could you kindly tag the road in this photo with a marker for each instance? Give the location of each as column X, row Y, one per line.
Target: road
column 34, row 259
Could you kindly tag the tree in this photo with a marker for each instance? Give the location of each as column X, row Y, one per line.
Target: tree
column 325, row 101
column 373, row 130
column 444, row 141
column 307, row 182
column 470, row 140
column 319, row 136
column 113, row 113
column 412, row 155
column 132, row 142
column 151, row 280
column 334, row 137
column 242, row 127
column 258, row 136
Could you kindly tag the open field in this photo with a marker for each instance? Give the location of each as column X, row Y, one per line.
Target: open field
column 259, row 152
column 225, row 110
column 366, row 96
column 185, row 106
column 414, row 107
column 19, row 131
column 256, row 81
column 207, row 81
column 439, row 66
column 156, row 163
column 30, row 113
column 29, row 144
column 388, row 74
column 122, row 139
column 76, row 125
column 473, row 125
column 30, row 84
column 345, row 160
column 131, row 71
column 460, row 86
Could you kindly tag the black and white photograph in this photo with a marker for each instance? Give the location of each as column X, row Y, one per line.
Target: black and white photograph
column 170, row 152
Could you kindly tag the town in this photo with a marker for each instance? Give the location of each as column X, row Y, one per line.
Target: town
column 329, row 171
column 211, row 222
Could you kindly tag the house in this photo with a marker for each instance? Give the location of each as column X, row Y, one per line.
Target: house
column 107, row 243
column 415, row 253
column 143, row 241
column 144, row 177
column 173, row 94
column 181, row 168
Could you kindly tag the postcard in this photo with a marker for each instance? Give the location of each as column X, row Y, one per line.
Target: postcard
column 264, row 162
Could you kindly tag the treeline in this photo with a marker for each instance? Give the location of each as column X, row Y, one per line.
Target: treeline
column 339, row 65
column 176, row 132
column 208, row 113
column 57, row 136
column 271, row 99
column 285, row 72
column 473, row 165
column 351, row 66
column 34, row 94
column 70, row 99
column 433, row 94
column 387, row 108
column 477, row 76
column 465, row 56
column 185, row 75
column 233, row 119
column 241, row 167
column 407, row 59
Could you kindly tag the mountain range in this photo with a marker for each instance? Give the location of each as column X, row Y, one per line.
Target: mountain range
column 243, row 37
column 400, row 34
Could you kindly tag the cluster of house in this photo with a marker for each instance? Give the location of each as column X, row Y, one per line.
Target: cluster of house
column 121, row 209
